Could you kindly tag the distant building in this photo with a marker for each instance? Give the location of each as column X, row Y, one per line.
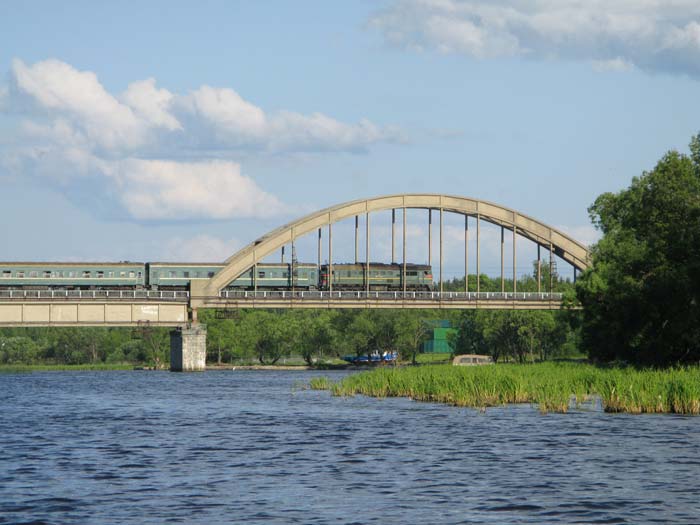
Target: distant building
column 439, row 338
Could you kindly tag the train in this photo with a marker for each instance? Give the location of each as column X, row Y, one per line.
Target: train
column 177, row 276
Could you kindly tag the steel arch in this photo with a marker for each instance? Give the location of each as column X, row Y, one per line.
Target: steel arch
column 563, row 245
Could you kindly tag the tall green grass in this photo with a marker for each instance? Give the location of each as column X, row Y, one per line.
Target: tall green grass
column 553, row 387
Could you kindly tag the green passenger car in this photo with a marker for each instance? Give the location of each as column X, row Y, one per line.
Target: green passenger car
column 60, row 275
column 349, row 276
column 278, row 276
column 270, row 276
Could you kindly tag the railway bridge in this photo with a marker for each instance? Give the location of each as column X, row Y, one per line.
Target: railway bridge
column 177, row 309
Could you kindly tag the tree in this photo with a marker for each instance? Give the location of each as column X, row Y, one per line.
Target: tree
column 640, row 298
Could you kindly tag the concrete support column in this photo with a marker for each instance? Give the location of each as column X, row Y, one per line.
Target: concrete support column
column 188, row 348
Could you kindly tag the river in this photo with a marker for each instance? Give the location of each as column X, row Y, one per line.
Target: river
column 256, row 447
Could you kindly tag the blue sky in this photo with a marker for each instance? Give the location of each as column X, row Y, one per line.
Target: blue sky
column 176, row 131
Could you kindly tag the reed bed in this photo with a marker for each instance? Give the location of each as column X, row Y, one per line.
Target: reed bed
column 553, row 387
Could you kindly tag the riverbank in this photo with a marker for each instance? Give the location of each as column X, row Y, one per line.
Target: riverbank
column 553, row 387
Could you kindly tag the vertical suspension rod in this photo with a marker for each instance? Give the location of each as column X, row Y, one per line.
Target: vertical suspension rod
column 539, row 269
column 551, row 267
column 478, row 253
column 319, row 251
column 367, row 252
column 441, row 251
column 403, row 272
column 430, row 236
column 466, row 253
column 503, row 277
column 393, row 236
column 255, row 274
column 330, row 257
column 515, row 274
column 357, row 227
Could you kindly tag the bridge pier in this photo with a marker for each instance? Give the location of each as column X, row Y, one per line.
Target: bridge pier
column 188, row 348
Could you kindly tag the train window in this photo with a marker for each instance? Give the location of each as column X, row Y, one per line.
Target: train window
column 100, row 275
column 111, row 274
column 123, row 274
column 211, row 274
column 71, row 274
column 87, row 275
column 33, row 274
column 171, row 274
column 132, row 275
column 261, row 275
column 47, row 275
column 6, row 274
column 349, row 273
column 186, row 274
column 285, row 274
column 20, row 275
column 197, row 274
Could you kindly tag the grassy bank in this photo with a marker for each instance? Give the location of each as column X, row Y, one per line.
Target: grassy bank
column 548, row 385
column 55, row 368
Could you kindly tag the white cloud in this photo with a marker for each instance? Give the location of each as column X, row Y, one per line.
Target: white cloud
column 70, row 131
column 151, row 104
column 201, row 248
column 157, row 189
column 652, row 35
column 615, row 64
column 60, row 91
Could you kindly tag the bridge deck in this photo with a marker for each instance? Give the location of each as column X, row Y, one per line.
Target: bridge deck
column 386, row 300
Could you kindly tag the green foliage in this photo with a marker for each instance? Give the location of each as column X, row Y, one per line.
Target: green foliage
column 551, row 386
column 519, row 335
column 641, row 296
column 81, row 346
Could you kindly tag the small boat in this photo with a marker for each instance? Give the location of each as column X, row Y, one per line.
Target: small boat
column 374, row 358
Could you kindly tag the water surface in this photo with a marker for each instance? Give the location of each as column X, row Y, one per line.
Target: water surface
column 254, row 447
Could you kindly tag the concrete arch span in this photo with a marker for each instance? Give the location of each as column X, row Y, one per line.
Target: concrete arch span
column 563, row 246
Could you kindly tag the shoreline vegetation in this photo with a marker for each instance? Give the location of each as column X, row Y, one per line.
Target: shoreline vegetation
column 553, row 387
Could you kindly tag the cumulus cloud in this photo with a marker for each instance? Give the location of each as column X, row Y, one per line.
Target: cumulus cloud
column 649, row 34
column 162, row 155
column 157, row 189
column 200, row 248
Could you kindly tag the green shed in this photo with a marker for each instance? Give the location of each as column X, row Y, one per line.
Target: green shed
column 439, row 338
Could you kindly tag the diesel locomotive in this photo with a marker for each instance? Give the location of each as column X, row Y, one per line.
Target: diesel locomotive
column 177, row 276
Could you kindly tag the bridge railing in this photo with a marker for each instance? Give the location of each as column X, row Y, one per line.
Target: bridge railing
column 110, row 295
column 301, row 295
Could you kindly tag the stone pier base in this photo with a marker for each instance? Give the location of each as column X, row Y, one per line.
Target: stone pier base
column 188, row 349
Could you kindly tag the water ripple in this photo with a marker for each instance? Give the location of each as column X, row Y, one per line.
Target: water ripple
column 234, row 447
